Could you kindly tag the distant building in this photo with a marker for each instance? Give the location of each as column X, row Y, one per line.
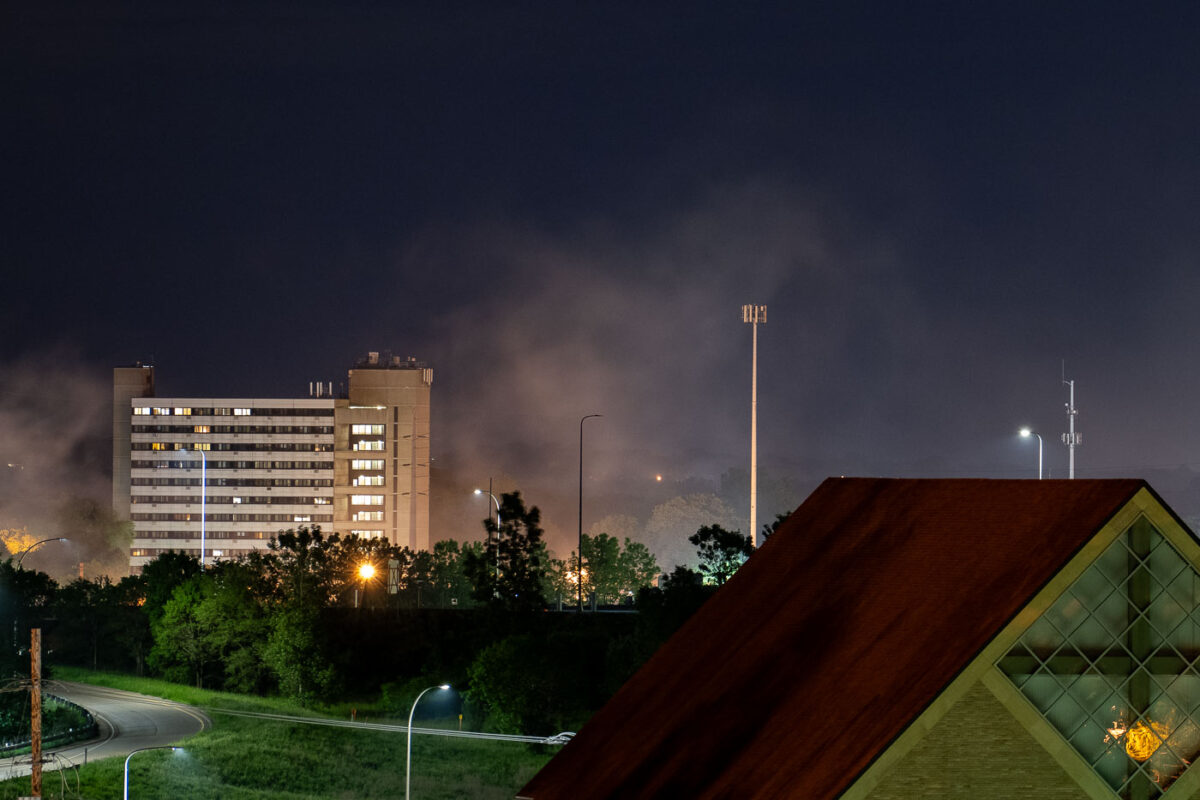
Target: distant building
column 914, row 639
column 355, row 464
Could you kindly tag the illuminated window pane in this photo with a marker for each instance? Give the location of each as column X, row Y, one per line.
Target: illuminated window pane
column 1112, row 664
column 241, row 412
column 369, row 445
column 366, row 463
column 369, row 430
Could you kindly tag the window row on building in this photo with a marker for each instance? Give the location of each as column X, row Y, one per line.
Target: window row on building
column 322, row 430
column 255, row 482
column 191, row 411
column 155, row 552
column 237, row 447
column 189, row 517
column 194, row 534
column 193, row 464
column 265, row 500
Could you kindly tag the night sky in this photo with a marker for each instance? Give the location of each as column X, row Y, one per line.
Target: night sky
column 562, row 207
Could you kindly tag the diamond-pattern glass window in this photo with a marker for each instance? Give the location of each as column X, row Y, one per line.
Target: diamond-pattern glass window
column 1112, row 664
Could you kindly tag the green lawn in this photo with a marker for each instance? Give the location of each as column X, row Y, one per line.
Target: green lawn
column 243, row 758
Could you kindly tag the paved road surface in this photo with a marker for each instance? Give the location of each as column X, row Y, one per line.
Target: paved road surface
column 127, row 721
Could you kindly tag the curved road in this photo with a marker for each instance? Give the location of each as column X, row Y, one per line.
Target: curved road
column 128, row 721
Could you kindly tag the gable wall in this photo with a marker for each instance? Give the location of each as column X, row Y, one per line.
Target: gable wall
column 978, row 751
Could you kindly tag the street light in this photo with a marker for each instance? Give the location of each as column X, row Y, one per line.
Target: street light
column 24, row 552
column 135, row 752
column 1025, row 434
column 408, row 756
column 498, row 524
column 366, row 571
column 579, row 559
column 203, row 498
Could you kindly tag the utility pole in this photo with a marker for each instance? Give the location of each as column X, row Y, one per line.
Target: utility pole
column 35, row 710
column 1071, row 439
column 754, row 315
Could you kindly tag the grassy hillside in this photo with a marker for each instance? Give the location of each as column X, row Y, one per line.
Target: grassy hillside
column 244, row 758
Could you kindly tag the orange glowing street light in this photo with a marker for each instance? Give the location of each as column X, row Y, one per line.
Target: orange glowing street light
column 366, row 572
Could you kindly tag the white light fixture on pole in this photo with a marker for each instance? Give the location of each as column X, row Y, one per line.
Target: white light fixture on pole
column 25, row 552
column 135, row 752
column 203, row 498
column 498, row 524
column 1025, row 434
column 413, row 710
column 754, row 315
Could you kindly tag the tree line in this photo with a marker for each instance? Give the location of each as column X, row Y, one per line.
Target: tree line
column 298, row 618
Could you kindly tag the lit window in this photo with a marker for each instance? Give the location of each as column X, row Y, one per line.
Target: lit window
column 366, row 534
column 201, row 446
column 320, row 501
column 241, row 412
column 369, row 480
column 237, row 501
column 183, row 412
column 370, row 430
column 366, row 499
column 162, row 446
column 366, row 463
column 141, row 411
column 372, row 445
column 368, row 516
column 302, row 518
column 162, row 412
column 201, row 429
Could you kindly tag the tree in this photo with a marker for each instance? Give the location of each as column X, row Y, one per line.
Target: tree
column 673, row 521
column 721, row 552
column 181, row 652
column 162, row 576
column 447, row 580
column 638, row 567
column 510, row 572
column 770, row 527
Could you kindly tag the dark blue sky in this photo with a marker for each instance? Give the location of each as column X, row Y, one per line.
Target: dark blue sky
column 562, row 209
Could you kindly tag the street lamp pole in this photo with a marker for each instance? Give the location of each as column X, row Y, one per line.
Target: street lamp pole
column 1025, row 434
column 131, row 755
column 408, row 754
column 498, row 524
column 579, row 558
column 203, row 498
column 754, row 315
column 25, row 552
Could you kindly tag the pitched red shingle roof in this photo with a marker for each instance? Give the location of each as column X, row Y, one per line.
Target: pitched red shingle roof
column 831, row 639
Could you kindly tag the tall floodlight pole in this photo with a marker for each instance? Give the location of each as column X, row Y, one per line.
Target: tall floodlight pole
column 579, row 557
column 754, row 315
column 1071, row 439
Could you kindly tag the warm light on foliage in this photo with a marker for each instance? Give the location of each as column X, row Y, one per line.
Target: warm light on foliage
column 1141, row 740
column 17, row 539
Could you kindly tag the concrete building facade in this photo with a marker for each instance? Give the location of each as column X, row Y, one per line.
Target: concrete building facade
column 218, row 477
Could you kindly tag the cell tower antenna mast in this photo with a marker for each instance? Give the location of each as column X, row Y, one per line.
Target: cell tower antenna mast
column 1071, row 438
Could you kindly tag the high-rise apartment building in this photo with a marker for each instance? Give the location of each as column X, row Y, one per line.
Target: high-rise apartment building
column 218, row 477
